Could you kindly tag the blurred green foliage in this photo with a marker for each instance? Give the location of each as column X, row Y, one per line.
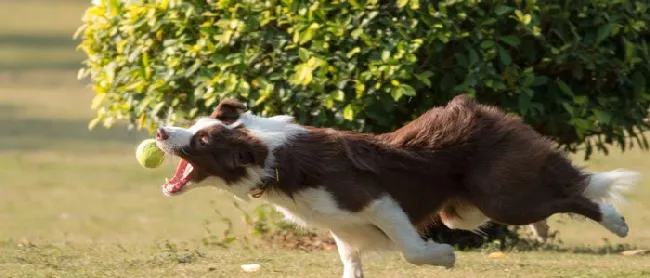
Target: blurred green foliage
column 572, row 69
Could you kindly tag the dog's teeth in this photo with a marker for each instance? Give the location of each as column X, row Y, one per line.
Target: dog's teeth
column 166, row 180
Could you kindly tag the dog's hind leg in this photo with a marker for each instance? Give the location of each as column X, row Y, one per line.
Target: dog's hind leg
column 608, row 187
column 389, row 217
column 604, row 214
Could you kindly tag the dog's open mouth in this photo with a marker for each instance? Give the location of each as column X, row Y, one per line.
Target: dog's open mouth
column 183, row 176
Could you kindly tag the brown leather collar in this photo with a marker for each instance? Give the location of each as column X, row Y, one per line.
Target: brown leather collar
column 259, row 190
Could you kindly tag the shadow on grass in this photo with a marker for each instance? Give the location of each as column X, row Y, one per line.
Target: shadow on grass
column 31, row 134
column 42, row 44
column 597, row 249
column 515, row 241
column 42, row 65
column 38, row 41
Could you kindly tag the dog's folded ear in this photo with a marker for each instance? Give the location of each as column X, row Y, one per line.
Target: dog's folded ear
column 228, row 110
column 234, row 158
column 462, row 100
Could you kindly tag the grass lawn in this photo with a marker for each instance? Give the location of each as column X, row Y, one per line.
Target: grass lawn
column 75, row 203
column 127, row 261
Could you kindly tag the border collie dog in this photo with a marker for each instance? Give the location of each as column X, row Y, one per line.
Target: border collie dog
column 464, row 163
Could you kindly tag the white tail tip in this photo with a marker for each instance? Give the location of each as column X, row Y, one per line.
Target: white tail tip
column 609, row 186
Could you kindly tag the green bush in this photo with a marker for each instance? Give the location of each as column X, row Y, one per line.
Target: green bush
column 572, row 69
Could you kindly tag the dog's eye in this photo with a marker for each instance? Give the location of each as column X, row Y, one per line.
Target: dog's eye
column 203, row 140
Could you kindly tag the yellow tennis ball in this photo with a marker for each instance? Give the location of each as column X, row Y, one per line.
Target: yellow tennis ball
column 148, row 154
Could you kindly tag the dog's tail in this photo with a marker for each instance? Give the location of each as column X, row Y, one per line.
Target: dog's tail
column 608, row 187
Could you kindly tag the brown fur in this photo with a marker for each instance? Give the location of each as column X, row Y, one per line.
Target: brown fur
column 223, row 152
column 228, row 110
column 461, row 154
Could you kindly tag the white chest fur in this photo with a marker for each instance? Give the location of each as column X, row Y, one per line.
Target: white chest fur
column 317, row 207
column 314, row 207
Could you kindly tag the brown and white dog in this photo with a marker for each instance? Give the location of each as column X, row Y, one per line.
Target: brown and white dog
column 465, row 162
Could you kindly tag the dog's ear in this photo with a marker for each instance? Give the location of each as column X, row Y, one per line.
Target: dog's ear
column 228, row 110
column 462, row 100
column 243, row 157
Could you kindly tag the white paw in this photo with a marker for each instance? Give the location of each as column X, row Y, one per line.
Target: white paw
column 353, row 273
column 613, row 221
column 432, row 253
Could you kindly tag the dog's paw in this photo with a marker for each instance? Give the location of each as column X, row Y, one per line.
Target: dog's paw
column 613, row 221
column 432, row 253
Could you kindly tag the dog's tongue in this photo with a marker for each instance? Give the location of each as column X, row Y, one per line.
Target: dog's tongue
column 182, row 176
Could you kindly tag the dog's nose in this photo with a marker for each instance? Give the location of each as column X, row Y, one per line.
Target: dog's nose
column 161, row 134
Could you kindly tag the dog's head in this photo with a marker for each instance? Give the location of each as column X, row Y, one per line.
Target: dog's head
column 223, row 149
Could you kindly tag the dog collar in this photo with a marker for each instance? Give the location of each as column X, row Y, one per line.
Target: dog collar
column 259, row 190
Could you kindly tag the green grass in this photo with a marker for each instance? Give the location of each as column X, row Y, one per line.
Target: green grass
column 75, row 203
column 163, row 261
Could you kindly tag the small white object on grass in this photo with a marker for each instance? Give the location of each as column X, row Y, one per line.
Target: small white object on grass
column 635, row 252
column 250, row 267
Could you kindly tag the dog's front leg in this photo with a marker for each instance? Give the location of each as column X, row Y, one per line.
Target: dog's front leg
column 389, row 216
column 351, row 258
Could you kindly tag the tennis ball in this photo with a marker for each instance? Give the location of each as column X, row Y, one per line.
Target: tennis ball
column 148, row 154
